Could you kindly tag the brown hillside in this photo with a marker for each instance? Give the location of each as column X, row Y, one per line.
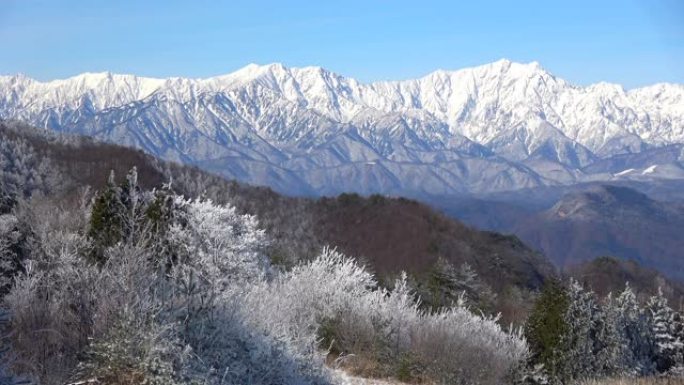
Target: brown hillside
column 391, row 234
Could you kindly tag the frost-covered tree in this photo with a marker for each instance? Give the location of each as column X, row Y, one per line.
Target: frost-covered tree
column 667, row 345
column 577, row 342
column 446, row 284
column 214, row 312
column 610, row 343
column 632, row 323
column 23, row 172
column 225, row 246
column 10, row 251
column 677, row 330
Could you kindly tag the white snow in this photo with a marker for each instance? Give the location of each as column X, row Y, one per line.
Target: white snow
column 321, row 126
column 625, row 172
column 649, row 170
column 343, row 378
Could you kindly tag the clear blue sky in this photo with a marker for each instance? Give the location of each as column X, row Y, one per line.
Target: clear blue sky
column 633, row 42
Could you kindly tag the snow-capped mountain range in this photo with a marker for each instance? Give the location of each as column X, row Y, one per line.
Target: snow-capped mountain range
column 497, row 127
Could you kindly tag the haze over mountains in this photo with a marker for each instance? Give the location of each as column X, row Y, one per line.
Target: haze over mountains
column 499, row 127
column 608, row 221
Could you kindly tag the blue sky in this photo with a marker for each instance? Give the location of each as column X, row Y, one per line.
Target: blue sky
column 632, row 42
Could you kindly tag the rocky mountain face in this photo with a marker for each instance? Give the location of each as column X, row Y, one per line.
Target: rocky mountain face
column 307, row 131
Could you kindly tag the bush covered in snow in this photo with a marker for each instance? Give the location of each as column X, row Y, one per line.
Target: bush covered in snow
column 152, row 288
column 334, row 301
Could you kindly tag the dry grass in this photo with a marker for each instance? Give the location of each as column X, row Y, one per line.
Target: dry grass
column 637, row 381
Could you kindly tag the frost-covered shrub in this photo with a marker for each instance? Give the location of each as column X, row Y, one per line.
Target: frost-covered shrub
column 220, row 260
column 337, row 297
column 224, row 246
column 294, row 304
column 51, row 320
column 131, row 319
column 214, row 312
column 457, row 347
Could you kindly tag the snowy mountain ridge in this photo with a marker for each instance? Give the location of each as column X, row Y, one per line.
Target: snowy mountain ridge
column 496, row 127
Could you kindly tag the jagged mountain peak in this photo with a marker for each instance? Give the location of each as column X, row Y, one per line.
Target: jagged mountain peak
column 500, row 68
column 499, row 126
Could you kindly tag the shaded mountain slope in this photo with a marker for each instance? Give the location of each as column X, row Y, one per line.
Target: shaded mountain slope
column 609, row 220
column 399, row 234
column 390, row 234
column 608, row 275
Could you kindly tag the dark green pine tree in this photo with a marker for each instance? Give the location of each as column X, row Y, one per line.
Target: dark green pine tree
column 159, row 214
column 106, row 224
column 546, row 327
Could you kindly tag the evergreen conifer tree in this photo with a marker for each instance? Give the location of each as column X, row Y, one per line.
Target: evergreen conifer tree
column 610, row 344
column 632, row 323
column 546, row 326
column 106, row 225
column 677, row 329
column 159, row 214
column 577, row 342
column 660, row 317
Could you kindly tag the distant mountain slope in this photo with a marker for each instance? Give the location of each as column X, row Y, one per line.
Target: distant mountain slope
column 608, row 275
column 390, row 234
column 307, row 131
column 609, row 221
column 399, row 234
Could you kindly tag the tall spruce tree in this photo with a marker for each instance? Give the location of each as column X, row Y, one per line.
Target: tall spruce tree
column 632, row 323
column 610, row 343
column 546, row 326
column 159, row 214
column 106, row 220
column 662, row 328
column 577, row 343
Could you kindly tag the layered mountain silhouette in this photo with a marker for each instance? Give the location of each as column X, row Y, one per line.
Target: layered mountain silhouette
column 605, row 221
column 391, row 235
column 499, row 127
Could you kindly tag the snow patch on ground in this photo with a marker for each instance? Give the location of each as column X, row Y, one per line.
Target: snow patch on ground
column 625, row 172
column 649, row 170
column 343, row 378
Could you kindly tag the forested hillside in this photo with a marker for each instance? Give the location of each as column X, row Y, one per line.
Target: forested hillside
column 128, row 285
column 121, row 269
column 388, row 235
